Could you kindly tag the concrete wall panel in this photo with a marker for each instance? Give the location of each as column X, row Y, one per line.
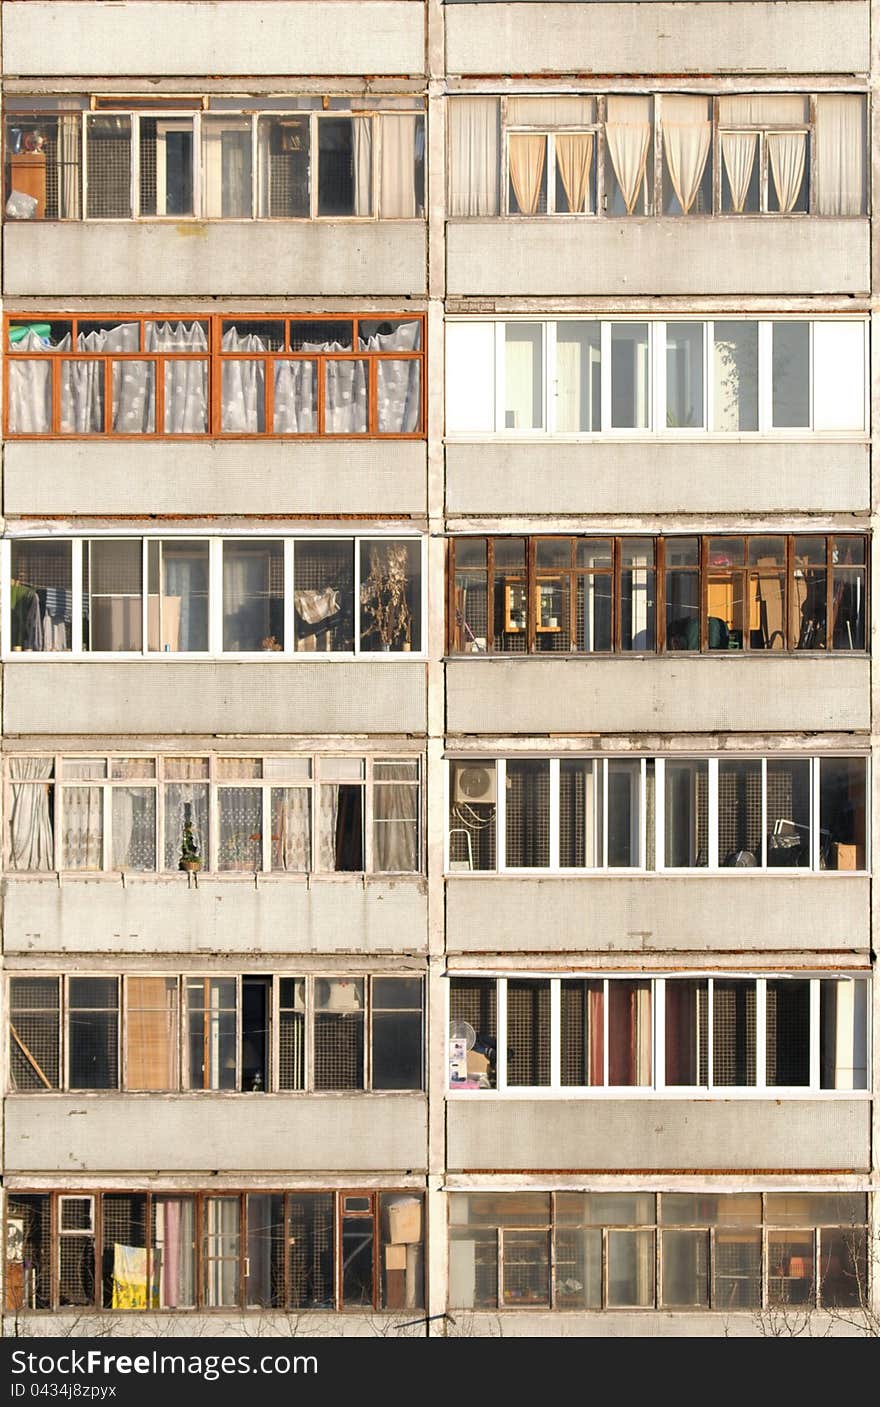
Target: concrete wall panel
column 626, row 258
column 212, row 258
column 203, row 1133
column 802, row 36
column 630, row 1134
column 618, row 477
column 193, row 37
column 215, row 477
column 644, row 693
column 741, row 912
column 171, row 916
column 143, row 696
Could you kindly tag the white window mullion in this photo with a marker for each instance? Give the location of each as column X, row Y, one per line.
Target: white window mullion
column 643, row 814
column 501, row 814
column 815, row 1049
column 555, row 1033
column 77, row 547
column 501, row 1036
column 59, row 814
column 760, row 1033
column 255, row 163
column 713, row 813
column 215, row 596
column 710, row 1044
column 708, row 388
column 289, row 639
column 554, row 813
column 815, row 815
column 605, row 376
column 765, row 376
column 551, row 173
column 763, row 856
column 658, row 379
column 659, row 1004
column 659, row 813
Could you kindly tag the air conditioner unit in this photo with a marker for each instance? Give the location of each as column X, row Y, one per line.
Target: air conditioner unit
column 472, row 783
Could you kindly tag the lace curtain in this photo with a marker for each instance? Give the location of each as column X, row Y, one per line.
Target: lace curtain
column 31, row 839
column 291, row 829
column 186, row 801
column 134, row 828
column 83, row 828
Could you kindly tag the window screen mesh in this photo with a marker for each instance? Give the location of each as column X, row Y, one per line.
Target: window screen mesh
column 34, row 1045
column 124, row 1220
column 733, row 1033
column 528, row 1033
column 739, row 812
column 109, row 168
column 291, row 1050
column 473, row 1000
column 339, row 1050
column 528, row 814
column 310, row 1241
column 788, row 1033
column 28, row 1259
column 581, row 1034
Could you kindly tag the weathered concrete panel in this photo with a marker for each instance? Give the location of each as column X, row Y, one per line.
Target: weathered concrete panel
column 189, row 259
column 741, row 912
column 652, row 256
column 171, row 916
column 631, row 1134
column 631, row 1324
column 618, row 477
column 146, row 696
column 645, row 693
column 215, row 477
column 802, row 36
column 193, row 37
column 203, row 1132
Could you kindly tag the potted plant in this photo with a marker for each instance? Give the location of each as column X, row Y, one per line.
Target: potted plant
column 383, row 597
column 190, row 859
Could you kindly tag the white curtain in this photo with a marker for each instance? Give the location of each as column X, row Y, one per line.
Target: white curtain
column 738, row 154
column 186, row 382
column 243, row 396
column 397, row 185
column 291, row 829
column 687, row 137
column 30, row 387
column 628, row 136
column 763, row 109
column 550, row 112
column 787, row 159
column 328, row 813
column 526, row 157
column 574, row 159
column 31, row 842
column 395, row 830
column 83, row 828
column 68, row 166
column 363, row 165
column 186, row 801
column 473, row 156
column 840, row 154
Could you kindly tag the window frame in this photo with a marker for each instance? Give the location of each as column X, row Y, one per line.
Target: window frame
column 184, row 979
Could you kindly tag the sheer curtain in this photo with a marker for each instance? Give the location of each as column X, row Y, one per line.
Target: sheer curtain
column 244, row 385
column 397, row 183
column 788, row 151
column 31, row 841
column 840, row 154
column 473, row 156
column 291, row 829
column 174, row 1253
column 738, row 154
column 395, row 824
column 68, row 166
column 30, row 387
column 738, row 148
column 687, row 137
column 574, row 160
column 186, row 801
column 83, row 828
column 628, row 136
column 186, row 382
column 363, row 164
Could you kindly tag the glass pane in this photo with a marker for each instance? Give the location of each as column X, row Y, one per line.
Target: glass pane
column 710, row 1209
column 686, row 815
column 684, row 375
column 28, row 1252
column 791, row 374
column 578, row 1269
column 186, row 824
column 166, row 165
column 177, row 601
column 791, row 1269
column 113, row 597
column 346, row 396
column 344, row 166
column 637, row 599
column 186, row 390
column 630, row 1269
column 737, row 1278
column 134, row 828
column 222, row 1250
column 578, row 392
column 735, row 376
column 582, row 1034
column 391, row 608
column 133, row 410
column 264, row 1267
column 40, row 595
column 253, row 596
column 687, row 1033
column 788, row 1033
column 629, row 376
column 291, row 829
column 311, row 1250
column 227, row 168
column 357, row 1261
column 92, row 1033
column 402, row 1259
column 682, row 607
column 395, row 825
column 34, row 1035
column 624, row 814
column 843, row 1033
column 843, row 1267
column 30, row 394
column 82, row 830
column 525, row 1268
column 472, row 816
column 733, row 1033
column 398, row 396
column 630, row 1033
column 528, row 814
column 685, row 1261
column 212, row 1034
column 842, row 813
column 82, row 397
column 174, row 1264
column 397, row 1049
column 528, row 1032
column 108, row 153
column 151, row 1033
column 527, row 160
column 524, row 376
column 740, row 818
column 815, row 1208
column 606, row 1208
column 581, row 813
column 323, row 595
column 240, row 818
column 848, row 594
column 341, row 828
column 788, row 813
column 283, row 146
column 43, row 165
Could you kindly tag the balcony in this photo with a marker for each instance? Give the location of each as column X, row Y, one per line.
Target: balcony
column 203, row 1132
column 695, row 913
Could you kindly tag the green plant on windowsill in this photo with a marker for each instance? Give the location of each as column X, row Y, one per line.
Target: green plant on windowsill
column 190, row 859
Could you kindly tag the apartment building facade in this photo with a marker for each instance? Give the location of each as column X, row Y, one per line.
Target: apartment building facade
column 430, row 906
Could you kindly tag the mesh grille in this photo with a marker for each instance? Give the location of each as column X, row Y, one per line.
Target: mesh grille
column 76, row 1278
column 473, row 1000
column 148, row 152
column 28, row 1262
column 291, row 1050
column 109, row 178
column 788, row 1033
column 339, row 1051
column 528, row 1033
column 310, row 1239
column 528, row 814
column 733, row 1033
column 124, row 1219
column 739, row 810
column 34, row 1050
column 582, row 1035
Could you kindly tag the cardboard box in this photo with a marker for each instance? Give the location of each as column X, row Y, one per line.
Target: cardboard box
column 395, row 1257
column 849, row 857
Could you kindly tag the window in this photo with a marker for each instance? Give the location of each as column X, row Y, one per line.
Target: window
column 589, row 595
column 595, row 1033
column 238, row 815
column 255, row 597
column 585, row 377
column 248, row 1033
column 155, row 1250
column 295, row 160
column 584, row 814
column 670, row 154
column 282, row 377
column 676, row 1250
